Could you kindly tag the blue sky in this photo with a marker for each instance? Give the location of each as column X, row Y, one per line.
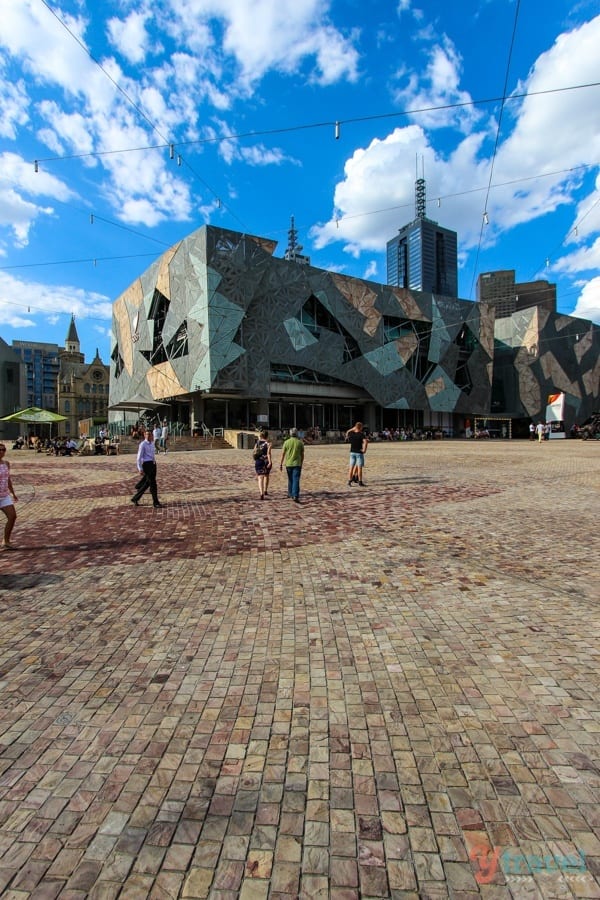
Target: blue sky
column 248, row 94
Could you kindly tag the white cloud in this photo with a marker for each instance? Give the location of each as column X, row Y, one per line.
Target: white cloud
column 129, row 35
column 20, row 185
column 437, row 87
column 551, row 132
column 24, row 303
column 14, row 104
column 271, row 35
column 588, row 304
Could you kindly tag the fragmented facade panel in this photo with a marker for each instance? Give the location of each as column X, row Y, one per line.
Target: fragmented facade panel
column 219, row 314
column 539, row 352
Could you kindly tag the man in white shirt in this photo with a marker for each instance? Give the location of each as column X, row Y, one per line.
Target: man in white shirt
column 146, row 465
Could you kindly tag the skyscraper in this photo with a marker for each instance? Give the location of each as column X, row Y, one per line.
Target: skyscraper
column 423, row 256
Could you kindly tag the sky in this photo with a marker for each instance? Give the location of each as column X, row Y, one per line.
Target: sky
column 125, row 126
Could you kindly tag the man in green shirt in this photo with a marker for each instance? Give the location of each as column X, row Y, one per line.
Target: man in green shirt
column 292, row 454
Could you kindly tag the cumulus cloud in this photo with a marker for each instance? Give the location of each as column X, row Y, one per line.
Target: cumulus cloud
column 220, row 50
column 24, row 303
column 588, row 303
column 554, row 133
column 438, row 87
column 129, row 35
column 20, row 188
column 14, row 104
column 272, row 35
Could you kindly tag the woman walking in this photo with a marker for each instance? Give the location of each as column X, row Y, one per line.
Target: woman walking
column 7, row 499
column 263, row 462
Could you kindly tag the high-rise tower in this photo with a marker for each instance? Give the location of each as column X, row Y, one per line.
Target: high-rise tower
column 423, row 256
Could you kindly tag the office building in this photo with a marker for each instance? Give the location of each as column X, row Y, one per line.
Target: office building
column 507, row 296
column 42, row 366
column 424, row 255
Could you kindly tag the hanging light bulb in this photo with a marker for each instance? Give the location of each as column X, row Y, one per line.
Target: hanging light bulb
column 576, row 231
column 171, row 151
column 179, row 160
column 486, row 219
column 439, row 202
column 35, row 166
column 547, row 262
column 337, row 131
column 91, row 218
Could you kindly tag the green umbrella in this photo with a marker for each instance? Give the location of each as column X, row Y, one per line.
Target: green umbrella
column 36, row 415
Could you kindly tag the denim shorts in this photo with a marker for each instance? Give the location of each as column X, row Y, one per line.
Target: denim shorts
column 357, row 459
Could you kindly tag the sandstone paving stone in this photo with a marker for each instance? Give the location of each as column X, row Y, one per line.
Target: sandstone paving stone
column 389, row 694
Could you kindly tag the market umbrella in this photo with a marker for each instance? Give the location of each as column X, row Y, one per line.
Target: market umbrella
column 137, row 403
column 36, row 416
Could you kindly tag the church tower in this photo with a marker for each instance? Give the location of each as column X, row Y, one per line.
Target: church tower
column 72, row 346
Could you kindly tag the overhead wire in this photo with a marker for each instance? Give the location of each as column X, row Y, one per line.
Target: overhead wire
column 573, row 230
column 170, row 144
column 337, row 123
column 322, row 124
column 485, row 217
column 299, row 226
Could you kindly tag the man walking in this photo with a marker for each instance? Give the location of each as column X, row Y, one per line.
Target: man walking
column 292, row 454
column 358, row 447
column 146, row 466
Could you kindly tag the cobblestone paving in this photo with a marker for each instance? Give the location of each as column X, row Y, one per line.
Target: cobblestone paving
column 389, row 691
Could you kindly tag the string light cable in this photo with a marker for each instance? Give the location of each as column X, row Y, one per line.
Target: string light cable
column 485, row 219
column 170, row 144
column 299, row 227
column 337, row 125
column 573, row 230
column 323, row 124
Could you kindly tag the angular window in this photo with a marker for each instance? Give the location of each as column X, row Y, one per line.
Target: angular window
column 316, row 318
column 118, row 361
column 178, row 346
column 396, row 328
column 158, row 311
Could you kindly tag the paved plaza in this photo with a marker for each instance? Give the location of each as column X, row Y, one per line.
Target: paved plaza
column 389, row 691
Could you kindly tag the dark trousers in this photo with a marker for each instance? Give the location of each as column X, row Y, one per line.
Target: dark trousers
column 148, row 481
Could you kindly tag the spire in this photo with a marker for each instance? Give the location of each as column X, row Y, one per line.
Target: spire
column 72, row 342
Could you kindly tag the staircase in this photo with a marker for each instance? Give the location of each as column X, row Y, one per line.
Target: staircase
column 179, row 444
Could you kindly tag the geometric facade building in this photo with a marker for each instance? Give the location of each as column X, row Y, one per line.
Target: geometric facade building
column 538, row 353
column 228, row 334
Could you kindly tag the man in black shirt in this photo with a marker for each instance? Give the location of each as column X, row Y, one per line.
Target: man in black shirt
column 358, row 447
